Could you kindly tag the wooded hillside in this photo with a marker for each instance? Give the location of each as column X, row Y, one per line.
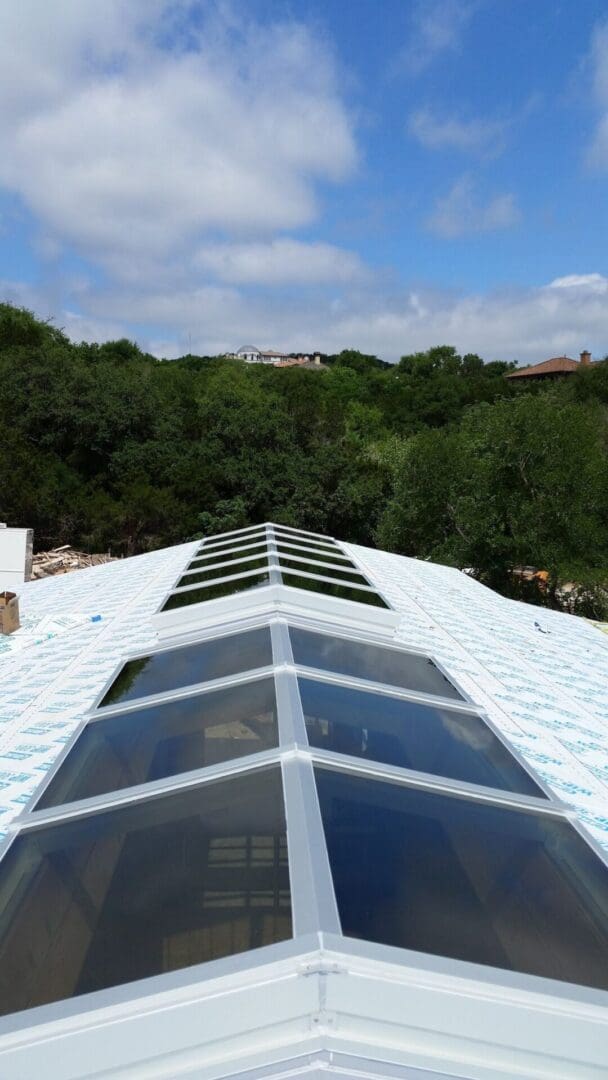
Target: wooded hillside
column 440, row 457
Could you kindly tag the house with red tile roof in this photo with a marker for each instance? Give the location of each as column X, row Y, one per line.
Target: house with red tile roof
column 555, row 368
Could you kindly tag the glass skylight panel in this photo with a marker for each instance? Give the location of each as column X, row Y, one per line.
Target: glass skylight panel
column 329, row 588
column 164, row 740
column 328, row 545
column 232, row 542
column 394, row 667
column 426, row 738
column 248, row 552
column 326, row 556
column 171, row 669
column 215, row 592
column 465, row 879
column 214, row 572
column 147, row 888
column 303, row 533
column 307, row 567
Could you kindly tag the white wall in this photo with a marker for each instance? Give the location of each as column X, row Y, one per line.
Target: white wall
column 15, row 557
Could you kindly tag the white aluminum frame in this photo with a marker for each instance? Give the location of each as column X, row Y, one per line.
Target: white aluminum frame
column 316, row 923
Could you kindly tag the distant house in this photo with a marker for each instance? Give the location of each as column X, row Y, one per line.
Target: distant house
column 556, row 368
column 252, row 355
column 249, row 353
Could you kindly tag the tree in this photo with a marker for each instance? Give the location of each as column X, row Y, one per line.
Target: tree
column 521, row 482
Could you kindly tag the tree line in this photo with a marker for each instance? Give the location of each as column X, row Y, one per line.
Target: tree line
column 438, row 456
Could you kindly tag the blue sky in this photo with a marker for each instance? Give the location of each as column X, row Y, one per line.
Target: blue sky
column 378, row 174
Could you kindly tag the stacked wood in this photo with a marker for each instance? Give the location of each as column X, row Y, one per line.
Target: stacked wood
column 64, row 559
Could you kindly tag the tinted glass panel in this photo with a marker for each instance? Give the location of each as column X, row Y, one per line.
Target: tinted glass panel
column 306, row 543
column 163, row 740
column 145, row 889
column 328, row 571
column 329, row 556
column 463, row 879
column 341, row 592
column 412, row 736
column 227, row 556
column 222, row 571
column 302, row 534
column 231, row 542
column 214, row 592
column 190, row 664
column 370, row 662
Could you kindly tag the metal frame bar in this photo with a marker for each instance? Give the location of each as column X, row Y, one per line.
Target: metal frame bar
column 296, row 549
column 202, row 569
column 313, row 902
column 292, row 727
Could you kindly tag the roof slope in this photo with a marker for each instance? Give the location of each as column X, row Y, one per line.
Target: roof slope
column 539, row 674
column 554, row 366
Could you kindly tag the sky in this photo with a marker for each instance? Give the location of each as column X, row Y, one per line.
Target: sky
column 385, row 175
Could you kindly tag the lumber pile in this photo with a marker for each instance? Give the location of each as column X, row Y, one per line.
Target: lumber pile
column 62, row 560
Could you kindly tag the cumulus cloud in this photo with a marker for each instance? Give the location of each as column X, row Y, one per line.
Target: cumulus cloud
column 160, row 149
column 436, row 28
column 280, row 262
column 461, row 212
column 527, row 325
column 121, row 146
column 587, row 283
column 441, row 132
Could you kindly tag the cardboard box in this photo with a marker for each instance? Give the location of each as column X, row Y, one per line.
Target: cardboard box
column 9, row 612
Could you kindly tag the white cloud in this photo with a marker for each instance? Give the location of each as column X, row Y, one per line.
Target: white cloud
column 461, row 213
column 587, row 283
column 527, row 325
column 280, row 262
column 474, row 135
column 436, row 28
column 125, row 149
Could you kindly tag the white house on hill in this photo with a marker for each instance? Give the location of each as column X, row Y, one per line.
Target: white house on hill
column 252, row 355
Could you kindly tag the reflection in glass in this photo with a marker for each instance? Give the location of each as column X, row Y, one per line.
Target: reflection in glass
column 327, row 556
column 328, row 571
column 363, row 661
column 201, row 562
column 341, row 592
column 214, row 592
column 189, row 664
column 467, row 880
column 144, row 889
column 164, row 740
column 217, row 572
column 412, row 736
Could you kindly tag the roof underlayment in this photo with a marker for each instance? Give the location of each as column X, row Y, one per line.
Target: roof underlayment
column 540, row 675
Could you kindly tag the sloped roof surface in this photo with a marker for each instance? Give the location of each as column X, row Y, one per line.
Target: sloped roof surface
column 547, row 367
column 540, row 675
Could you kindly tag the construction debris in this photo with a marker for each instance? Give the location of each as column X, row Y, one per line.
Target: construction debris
column 62, row 560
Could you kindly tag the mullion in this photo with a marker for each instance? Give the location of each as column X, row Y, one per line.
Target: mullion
column 313, row 900
column 297, row 551
column 348, row 575
column 412, row 778
column 249, row 551
column 332, row 581
column 146, row 792
column 203, row 574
